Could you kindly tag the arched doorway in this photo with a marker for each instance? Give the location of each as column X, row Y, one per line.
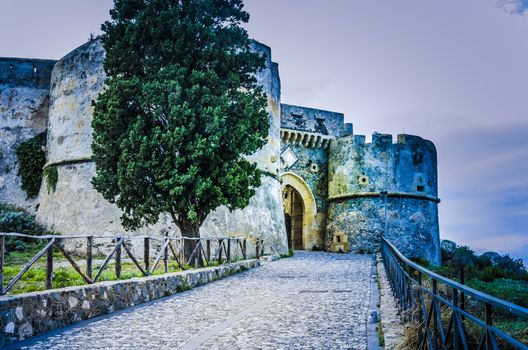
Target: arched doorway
column 293, row 215
column 299, row 212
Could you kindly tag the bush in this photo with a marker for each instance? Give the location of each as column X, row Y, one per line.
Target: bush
column 491, row 273
column 17, row 220
column 14, row 219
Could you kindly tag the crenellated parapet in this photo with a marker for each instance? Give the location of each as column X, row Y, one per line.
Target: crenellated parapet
column 406, row 167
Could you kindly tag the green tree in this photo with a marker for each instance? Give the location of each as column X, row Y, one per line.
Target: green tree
column 181, row 111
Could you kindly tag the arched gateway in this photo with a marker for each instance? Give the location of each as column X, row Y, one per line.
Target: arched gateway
column 299, row 211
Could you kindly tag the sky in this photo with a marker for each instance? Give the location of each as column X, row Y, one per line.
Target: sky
column 452, row 71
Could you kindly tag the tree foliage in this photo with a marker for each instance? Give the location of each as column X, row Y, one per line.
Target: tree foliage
column 486, row 267
column 181, row 111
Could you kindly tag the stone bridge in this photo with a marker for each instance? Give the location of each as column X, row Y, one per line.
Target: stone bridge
column 313, row 300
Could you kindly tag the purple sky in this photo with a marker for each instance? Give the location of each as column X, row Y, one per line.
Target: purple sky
column 455, row 72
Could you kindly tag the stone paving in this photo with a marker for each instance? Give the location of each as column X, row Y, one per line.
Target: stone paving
column 313, row 300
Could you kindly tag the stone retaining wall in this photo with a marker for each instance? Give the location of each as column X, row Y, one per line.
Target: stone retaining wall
column 26, row 315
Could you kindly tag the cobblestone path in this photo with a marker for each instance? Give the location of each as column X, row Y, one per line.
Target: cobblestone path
column 313, row 300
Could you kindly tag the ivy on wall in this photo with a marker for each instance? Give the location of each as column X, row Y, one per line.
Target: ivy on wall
column 31, row 159
column 51, row 175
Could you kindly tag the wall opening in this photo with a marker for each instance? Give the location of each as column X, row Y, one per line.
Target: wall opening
column 300, row 213
column 293, row 215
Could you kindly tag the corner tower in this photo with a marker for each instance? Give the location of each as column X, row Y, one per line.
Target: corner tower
column 384, row 188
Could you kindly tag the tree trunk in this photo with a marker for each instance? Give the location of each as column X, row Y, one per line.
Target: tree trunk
column 191, row 230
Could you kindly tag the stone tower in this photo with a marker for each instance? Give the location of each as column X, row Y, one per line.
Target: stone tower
column 74, row 207
column 384, row 188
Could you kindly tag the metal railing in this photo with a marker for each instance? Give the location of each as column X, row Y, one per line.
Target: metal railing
column 449, row 315
column 203, row 251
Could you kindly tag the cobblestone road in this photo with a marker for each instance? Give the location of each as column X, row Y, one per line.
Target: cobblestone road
column 313, row 300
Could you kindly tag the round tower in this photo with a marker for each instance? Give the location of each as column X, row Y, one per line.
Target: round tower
column 384, row 188
column 73, row 206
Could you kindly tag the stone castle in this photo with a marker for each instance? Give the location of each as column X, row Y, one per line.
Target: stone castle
column 323, row 188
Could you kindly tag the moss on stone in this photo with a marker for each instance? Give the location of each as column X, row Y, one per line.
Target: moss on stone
column 51, row 174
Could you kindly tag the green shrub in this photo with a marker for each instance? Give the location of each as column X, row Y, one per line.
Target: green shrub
column 17, row 220
column 14, row 219
column 491, row 273
column 31, row 160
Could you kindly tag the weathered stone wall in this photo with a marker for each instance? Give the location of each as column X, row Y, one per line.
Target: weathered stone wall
column 27, row 315
column 314, row 120
column 359, row 173
column 312, row 166
column 24, row 90
column 76, row 208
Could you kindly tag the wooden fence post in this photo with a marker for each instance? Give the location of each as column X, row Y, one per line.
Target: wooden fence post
column 198, row 255
column 220, row 241
column 89, row 256
column 228, row 250
column 208, row 249
column 49, row 267
column 166, row 257
column 183, row 257
column 257, row 248
column 244, row 248
column 118, row 258
column 146, row 253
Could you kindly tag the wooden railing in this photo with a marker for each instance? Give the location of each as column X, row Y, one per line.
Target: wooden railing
column 204, row 252
column 446, row 310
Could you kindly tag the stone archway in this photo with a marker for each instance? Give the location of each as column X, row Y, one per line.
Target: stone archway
column 301, row 212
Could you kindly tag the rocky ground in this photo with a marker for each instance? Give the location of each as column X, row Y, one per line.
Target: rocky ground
column 313, row 300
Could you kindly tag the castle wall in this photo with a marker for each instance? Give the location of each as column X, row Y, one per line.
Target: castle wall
column 359, row 173
column 24, row 89
column 314, row 120
column 306, row 133
column 312, row 168
column 76, row 208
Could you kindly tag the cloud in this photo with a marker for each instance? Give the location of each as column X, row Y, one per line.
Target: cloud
column 514, row 6
column 484, row 187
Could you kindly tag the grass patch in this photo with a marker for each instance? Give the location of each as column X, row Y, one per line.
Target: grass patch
column 288, row 255
column 184, row 286
column 35, row 278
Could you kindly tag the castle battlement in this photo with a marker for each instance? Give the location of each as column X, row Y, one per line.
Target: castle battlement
column 385, row 140
column 407, row 166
